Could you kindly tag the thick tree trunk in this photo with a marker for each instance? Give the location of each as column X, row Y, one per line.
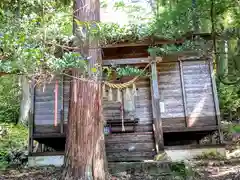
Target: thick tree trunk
column 85, row 147
column 84, row 158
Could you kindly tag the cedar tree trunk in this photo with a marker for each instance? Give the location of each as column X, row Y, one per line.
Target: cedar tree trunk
column 85, row 147
column 84, row 154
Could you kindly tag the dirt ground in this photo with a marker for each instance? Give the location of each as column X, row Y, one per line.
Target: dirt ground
column 224, row 172
column 209, row 172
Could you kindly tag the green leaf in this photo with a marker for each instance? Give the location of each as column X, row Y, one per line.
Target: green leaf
column 94, row 70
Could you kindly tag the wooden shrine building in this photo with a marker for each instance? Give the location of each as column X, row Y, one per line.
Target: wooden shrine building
column 175, row 105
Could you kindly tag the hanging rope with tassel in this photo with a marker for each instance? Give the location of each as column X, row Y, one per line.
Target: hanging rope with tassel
column 134, row 90
column 126, row 84
column 119, row 95
column 110, row 95
column 122, row 113
column 104, row 91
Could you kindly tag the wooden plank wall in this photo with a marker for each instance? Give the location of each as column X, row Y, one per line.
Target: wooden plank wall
column 171, row 99
column 132, row 146
column 192, row 84
column 186, row 102
column 135, row 146
column 66, row 96
column 44, row 108
column 199, row 97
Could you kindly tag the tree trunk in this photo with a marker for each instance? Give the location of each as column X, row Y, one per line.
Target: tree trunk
column 84, row 158
column 26, row 101
column 85, row 146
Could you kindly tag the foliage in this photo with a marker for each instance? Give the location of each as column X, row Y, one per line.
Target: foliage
column 173, row 20
column 24, row 40
column 9, row 99
column 164, row 50
column 182, row 170
column 68, row 61
column 229, row 99
column 124, row 71
column 129, row 71
column 113, row 33
column 228, row 62
column 211, row 155
column 13, row 146
column 199, row 45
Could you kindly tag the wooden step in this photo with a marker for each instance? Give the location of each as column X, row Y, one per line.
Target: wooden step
column 119, row 121
column 130, row 137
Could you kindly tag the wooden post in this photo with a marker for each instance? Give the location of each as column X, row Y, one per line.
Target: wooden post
column 157, row 123
column 62, row 107
column 30, row 134
column 215, row 99
column 31, row 119
column 183, row 92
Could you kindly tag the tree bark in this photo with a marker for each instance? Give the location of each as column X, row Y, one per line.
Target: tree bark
column 26, row 101
column 84, row 158
column 85, row 146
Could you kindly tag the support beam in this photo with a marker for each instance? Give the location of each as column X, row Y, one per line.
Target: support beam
column 157, row 126
column 62, row 106
column 215, row 99
column 31, row 119
column 183, row 92
column 126, row 61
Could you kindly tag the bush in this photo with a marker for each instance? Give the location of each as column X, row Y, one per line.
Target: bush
column 229, row 98
column 13, row 146
column 9, row 99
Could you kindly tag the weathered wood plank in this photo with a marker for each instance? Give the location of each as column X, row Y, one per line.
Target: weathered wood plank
column 170, row 91
column 125, row 147
column 45, row 103
column 158, row 132
column 183, row 93
column 47, row 129
column 130, row 156
column 62, row 105
column 173, row 122
column 31, row 118
column 189, row 129
column 201, row 121
column 130, row 137
column 126, row 61
column 215, row 99
column 145, row 128
column 199, row 97
column 142, row 137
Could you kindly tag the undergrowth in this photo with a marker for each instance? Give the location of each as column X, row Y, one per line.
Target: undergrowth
column 210, row 156
column 13, row 145
column 9, row 99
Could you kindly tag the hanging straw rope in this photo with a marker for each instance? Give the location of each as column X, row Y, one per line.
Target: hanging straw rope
column 113, row 85
column 126, row 84
column 122, row 114
column 121, row 85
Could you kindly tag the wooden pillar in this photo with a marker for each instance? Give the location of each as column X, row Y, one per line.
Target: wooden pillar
column 31, row 119
column 215, row 99
column 157, row 123
column 183, row 92
column 62, row 106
